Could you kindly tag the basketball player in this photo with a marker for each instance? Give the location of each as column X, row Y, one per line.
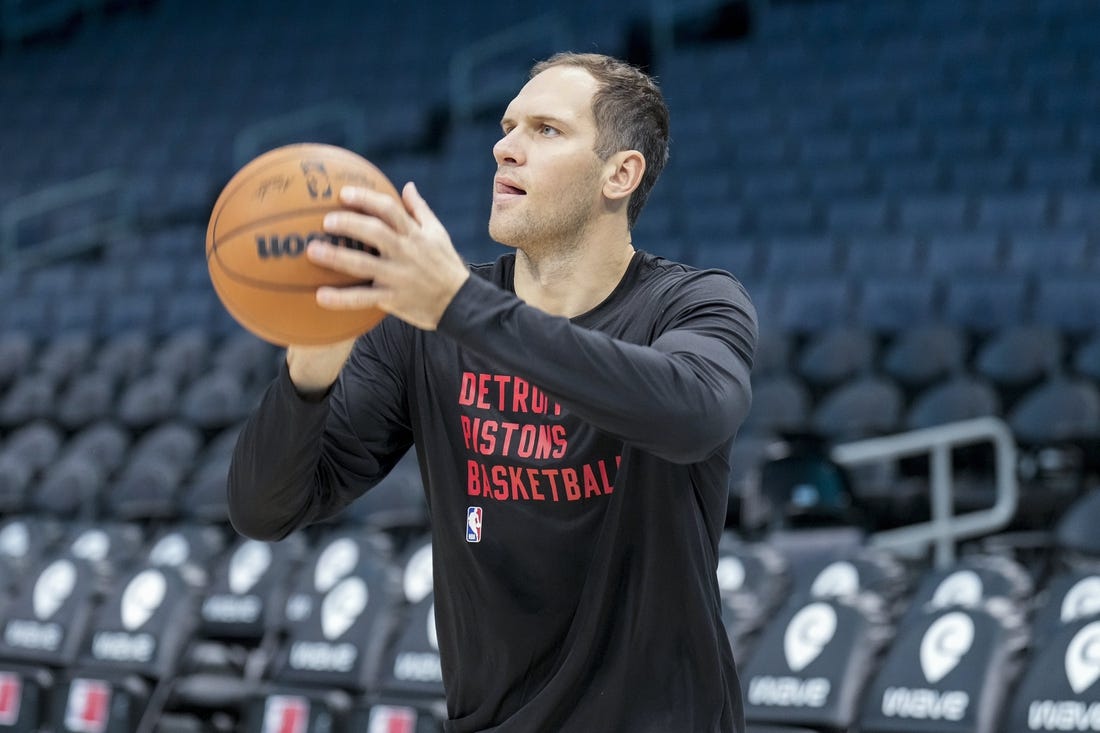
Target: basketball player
column 573, row 406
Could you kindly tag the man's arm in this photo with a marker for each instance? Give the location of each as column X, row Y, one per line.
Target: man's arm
column 302, row 456
column 679, row 398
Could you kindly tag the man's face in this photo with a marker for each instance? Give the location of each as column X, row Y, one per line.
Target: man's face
column 548, row 182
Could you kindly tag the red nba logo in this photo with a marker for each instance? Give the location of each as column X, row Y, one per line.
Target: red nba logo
column 11, row 693
column 286, row 714
column 391, row 719
column 88, row 707
column 473, row 524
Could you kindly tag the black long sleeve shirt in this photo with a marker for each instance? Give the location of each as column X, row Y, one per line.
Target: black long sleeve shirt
column 576, row 475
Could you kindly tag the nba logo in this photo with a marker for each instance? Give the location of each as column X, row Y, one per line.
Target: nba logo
column 88, row 706
column 391, row 719
column 473, row 524
column 286, row 714
column 11, row 693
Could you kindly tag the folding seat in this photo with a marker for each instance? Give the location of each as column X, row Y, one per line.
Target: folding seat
column 835, row 355
column 1069, row 303
column 851, row 574
column 762, row 186
column 772, row 355
column 970, row 582
column 982, row 175
column 860, row 216
column 1007, row 212
column 1016, row 358
column 1070, row 595
column 1059, row 689
column 813, row 661
column 1079, row 209
column 215, row 400
column 910, row 178
column 25, row 540
column 960, row 397
column 29, row 398
column 956, row 253
column 933, row 212
column 70, row 487
column 894, row 144
column 149, row 400
column 189, row 548
column 781, row 404
column 129, row 311
column 740, row 259
column 183, row 355
column 876, row 255
column 791, row 258
column 807, row 306
column 1058, row 410
column 826, row 149
column 335, row 639
column 985, row 304
column 17, row 353
column 89, row 397
column 131, row 655
column 147, row 485
column 924, row 354
column 753, row 580
column 105, row 443
column 186, row 309
column 255, row 360
column 951, row 142
column 1035, row 137
column 849, row 181
column 947, row 670
column 784, row 216
column 861, row 408
column 1047, row 252
column 1065, row 171
column 124, row 355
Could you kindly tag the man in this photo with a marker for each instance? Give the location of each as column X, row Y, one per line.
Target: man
column 573, row 407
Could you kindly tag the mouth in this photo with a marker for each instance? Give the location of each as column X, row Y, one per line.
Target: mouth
column 505, row 190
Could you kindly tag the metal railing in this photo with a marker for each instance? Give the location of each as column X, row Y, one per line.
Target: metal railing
column 111, row 217
column 257, row 138
column 944, row 528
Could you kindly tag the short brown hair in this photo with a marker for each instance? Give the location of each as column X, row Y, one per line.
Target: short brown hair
column 630, row 113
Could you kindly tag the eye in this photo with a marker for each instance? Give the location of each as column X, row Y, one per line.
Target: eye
column 548, row 131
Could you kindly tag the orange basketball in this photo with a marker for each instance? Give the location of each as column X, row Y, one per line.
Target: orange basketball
column 257, row 236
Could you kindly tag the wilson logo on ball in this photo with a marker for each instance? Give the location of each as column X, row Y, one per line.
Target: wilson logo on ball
column 269, row 246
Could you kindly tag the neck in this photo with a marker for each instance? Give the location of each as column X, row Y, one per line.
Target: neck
column 569, row 281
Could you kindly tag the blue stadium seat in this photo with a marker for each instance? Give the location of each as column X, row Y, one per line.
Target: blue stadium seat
column 890, row 304
column 793, row 258
column 812, row 305
column 1070, row 303
column 933, row 212
column 962, row 397
column 1049, row 252
column 1008, row 212
column 955, row 253
column 872, row 256
column 985, row 304
column 924, row 354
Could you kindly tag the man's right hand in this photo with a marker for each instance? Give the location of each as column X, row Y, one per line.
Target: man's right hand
column 313, row 369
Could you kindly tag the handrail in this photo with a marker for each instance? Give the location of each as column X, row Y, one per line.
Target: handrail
column 115, row 219
column 258, row 137
column 465, row 94
column 945, row 527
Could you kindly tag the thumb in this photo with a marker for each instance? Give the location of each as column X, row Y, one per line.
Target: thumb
column 416, row 205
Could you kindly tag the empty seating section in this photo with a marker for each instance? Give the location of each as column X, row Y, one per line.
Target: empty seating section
column 910, row 192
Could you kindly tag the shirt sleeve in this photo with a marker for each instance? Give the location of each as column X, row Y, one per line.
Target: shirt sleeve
column 680, row 397
column 301, row 459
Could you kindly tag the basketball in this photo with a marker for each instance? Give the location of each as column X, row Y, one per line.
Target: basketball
column 257, row 235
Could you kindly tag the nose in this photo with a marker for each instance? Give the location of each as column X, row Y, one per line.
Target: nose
column 508, row 150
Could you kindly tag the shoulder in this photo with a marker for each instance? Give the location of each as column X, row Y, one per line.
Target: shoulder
column 679, row 280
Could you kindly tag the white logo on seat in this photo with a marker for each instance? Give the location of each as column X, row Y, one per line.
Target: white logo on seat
column 54, row 585
column 945, row 643
column 1083, row 599
column 335, row 561
column 962, row 588
column 433, row 635
column 731, row 574
column 142, row 597
column 92, row 545
column 342, row 605
column 171, row 551
column 838, row 580
column 1083, row 658
column 248, row 565
column 807, row 634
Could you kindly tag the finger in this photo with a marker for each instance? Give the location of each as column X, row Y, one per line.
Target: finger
column 358, row 264
column 357, row 298
column 421, row 212
column 363, row 228
column 377, row 204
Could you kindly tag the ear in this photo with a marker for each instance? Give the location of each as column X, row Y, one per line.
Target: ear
column 624, row 172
